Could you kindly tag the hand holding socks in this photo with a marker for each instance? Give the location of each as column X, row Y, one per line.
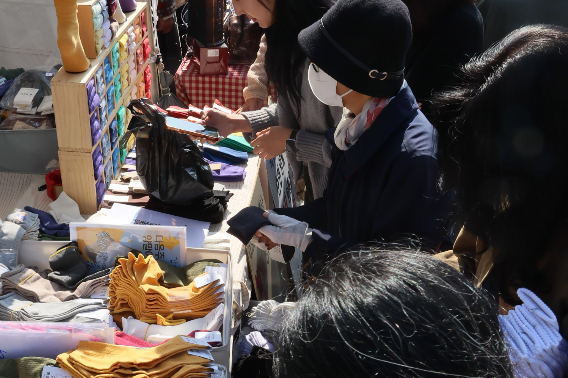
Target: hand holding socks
column 68, row 40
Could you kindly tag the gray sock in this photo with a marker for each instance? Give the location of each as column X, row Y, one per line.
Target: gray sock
column 68, row 266
column 10, row 237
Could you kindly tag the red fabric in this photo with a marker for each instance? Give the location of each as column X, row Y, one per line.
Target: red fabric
column 146, row 45
column 112, row 7
column 202, row 90
column 121, row 338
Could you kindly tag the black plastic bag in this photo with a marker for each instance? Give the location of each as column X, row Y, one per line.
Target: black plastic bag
column 169, row 164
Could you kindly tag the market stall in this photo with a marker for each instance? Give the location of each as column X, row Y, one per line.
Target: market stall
column 67, row 270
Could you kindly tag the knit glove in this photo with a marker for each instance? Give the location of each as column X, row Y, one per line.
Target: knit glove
column 535, row 346
column 287, row 231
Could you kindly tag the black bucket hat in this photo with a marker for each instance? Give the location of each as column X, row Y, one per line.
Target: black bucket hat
column 362, row 44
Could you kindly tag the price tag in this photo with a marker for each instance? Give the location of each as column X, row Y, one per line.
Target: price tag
column 200, row 353
column 210, row 337
column 212, row 53
column 100, row 293
column 191, row 340
column 131, row 155
column 215, row 166
column 54, row 372
column 207, row 279
column 48, row 74
column 25, row 97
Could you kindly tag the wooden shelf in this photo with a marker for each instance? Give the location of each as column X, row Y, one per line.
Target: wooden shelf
column 72, row 116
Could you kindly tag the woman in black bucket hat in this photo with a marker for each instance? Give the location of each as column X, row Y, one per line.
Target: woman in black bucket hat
column 383, row 179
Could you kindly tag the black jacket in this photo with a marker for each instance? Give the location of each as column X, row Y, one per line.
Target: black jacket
column 384, row 187
column 435, row 55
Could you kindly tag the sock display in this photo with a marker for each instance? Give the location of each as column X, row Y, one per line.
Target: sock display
column 135, row 287
column 35, row 287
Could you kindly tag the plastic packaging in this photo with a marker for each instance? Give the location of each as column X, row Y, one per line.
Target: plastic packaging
column 9, row 257
column 169, row 164
column 21, row 339
column 36, row 85
column 28, row 122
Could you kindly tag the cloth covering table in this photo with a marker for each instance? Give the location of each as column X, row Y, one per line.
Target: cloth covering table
column 197, row 90
column 192, row 88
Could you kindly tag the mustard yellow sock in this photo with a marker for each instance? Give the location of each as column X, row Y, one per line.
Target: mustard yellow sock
column 68, row 40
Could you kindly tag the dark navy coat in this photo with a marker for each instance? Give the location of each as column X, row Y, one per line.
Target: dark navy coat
column 383, row 187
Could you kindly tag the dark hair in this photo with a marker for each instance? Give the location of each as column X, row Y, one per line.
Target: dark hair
column 381, row 312
column 425, row 13
column 502, row 147
column 284, row 57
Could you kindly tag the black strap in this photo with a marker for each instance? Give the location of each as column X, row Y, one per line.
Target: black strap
column 373, row 74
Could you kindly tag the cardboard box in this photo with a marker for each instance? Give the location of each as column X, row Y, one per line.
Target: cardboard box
column 211, row 60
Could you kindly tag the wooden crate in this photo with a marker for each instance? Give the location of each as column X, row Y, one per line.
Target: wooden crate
column 86, row 27
column 72, row 118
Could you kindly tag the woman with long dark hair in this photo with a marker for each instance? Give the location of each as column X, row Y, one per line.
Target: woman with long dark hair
column 502, row 148
column 446, row 35
column 296, row 124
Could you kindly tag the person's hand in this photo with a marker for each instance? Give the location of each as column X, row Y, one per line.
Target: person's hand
column 225, row 123
column 271, row 142
column 252, row 104
column 165, row 26
column 285, row 230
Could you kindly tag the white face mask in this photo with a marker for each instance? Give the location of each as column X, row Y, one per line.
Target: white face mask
column 324, row 86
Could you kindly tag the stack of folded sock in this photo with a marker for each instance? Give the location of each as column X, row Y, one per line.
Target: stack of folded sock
column 123, row 50
column 224, row 154
column 37, row 288
column 115, row 59
column 26, row 367
column 173, row 358
column 28, row 221
column 14, row 307
column 135, row 287
column 236, row 142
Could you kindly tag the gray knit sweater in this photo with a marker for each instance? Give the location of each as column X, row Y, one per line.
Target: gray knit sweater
column 314, row 151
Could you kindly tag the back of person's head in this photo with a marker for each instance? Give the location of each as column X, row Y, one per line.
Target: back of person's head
column 381, row 312
column 284, row 58
column 425, row 13
column 502, row 146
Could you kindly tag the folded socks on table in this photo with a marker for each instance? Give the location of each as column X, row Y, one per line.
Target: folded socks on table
column 176, row 277
column 225, row 154
column 106, row 358
column 14, row 307
column 25, row 367
column 69, row 269
column 28, row 220
column 227, row 173
column 37, row 288
column 246, row 223
column 48, row 224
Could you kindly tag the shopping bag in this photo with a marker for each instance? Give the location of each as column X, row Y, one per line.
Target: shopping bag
column 169, row 164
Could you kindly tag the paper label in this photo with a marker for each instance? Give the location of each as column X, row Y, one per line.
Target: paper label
column 25, row 96
column 192, row 340
column 212, row 53
column 210, row 337
column 48, row 74
column 194, row 109
column 46, row 104
column 54, row 372
column 128, row 166
column 207, row 279
column 102, row 315
column 131, row 155
column 100, row 293
column 113, row 198
column 222, row 271
column 201, row 353
column 215, row 166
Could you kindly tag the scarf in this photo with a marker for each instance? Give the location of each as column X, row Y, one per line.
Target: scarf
column 351, row 127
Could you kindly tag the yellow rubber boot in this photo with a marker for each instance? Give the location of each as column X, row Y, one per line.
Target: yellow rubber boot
column 68, row 40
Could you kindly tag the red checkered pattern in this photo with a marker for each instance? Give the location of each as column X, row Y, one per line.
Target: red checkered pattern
column 192, row 88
